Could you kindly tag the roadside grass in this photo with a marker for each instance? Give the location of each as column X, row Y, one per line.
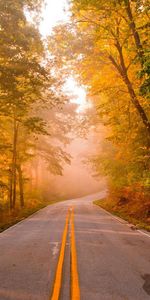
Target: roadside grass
column 9, row 218
column 128, row 211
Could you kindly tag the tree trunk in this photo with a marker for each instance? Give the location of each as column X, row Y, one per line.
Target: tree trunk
column 135, row 33
column 14, row 162
column 137, row 104
column 121, row 68
column 37, row 174
column 21, row 186
column 10, row 189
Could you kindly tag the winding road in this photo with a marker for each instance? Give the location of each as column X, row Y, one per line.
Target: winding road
column 77, row 248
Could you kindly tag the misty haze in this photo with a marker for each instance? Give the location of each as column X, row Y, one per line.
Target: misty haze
column 74, row 150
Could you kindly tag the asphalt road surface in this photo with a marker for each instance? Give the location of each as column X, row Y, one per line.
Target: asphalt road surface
column 113, row 261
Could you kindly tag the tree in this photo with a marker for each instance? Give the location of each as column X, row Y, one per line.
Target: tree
column 26, row 86
column 106, row 45
column 113, row 35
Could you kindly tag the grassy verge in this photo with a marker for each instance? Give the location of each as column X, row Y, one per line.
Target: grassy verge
column 128, row 211
column 9, row 218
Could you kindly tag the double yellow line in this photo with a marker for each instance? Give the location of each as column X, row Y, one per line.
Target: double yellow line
column 75, row 290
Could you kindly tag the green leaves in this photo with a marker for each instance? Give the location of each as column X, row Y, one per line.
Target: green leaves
column 36, row 125
column 145, row 75
column 29, row 90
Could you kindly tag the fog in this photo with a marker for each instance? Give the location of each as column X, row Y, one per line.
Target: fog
column 60, row 166
column 78, row 179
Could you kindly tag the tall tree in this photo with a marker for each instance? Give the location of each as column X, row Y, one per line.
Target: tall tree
column 26, row 84
column 106, row 45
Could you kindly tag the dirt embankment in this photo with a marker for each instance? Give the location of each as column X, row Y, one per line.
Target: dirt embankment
column 132, row 206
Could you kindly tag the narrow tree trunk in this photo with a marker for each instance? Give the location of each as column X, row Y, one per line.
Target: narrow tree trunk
column 135, row 33
column 14, row 162
column 121, row 68
column 137, row 104
column 37, row 174
column 21, row 186
column 10, row 189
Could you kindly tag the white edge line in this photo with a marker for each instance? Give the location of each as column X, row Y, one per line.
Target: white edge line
column 143, row 232
column 122, row 221
column 26, row 218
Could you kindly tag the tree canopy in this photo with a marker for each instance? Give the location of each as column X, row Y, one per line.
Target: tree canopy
column 28, row 89
column 106, row 45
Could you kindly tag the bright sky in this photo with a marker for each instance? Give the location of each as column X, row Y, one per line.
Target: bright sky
column 72, row 87
column 56, row 11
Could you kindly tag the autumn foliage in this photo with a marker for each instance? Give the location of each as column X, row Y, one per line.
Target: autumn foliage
column 106, row 44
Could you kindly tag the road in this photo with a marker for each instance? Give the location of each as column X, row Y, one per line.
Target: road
column 113, row 261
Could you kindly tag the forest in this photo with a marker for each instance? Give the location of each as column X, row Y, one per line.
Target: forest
column 104, row 45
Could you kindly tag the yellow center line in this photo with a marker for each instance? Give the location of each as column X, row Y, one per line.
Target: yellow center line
column 75, row 289
column 58, row 277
